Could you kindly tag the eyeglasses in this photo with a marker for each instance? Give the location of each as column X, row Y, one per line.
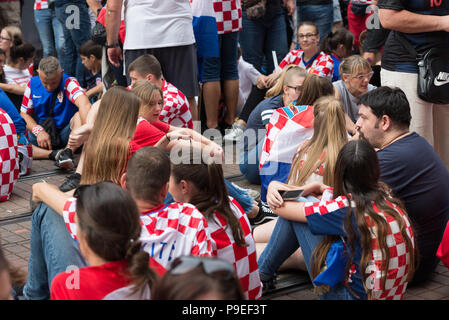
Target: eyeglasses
column 6, row 39
column 307, row 36
column 363, row 76
column 211, row 266
column 297, row 88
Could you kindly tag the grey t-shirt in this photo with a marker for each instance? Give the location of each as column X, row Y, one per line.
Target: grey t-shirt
column 351, row 104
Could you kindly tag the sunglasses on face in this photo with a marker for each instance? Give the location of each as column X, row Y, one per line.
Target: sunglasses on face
column 364, row 76
column 297, row 88
column 211, row 266
column 307, row 36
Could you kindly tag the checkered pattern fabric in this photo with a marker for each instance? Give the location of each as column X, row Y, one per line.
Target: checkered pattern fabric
column 323, row 65
column 176, row 110
column 244, row 259
column 72, row 90
column 287, row 129
column 398, row 267
column 228, row 14
column 9, row 157
column 40, row 4
column 168, row 231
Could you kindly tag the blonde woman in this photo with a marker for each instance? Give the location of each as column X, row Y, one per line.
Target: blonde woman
column 356, row 74
column 313, row 162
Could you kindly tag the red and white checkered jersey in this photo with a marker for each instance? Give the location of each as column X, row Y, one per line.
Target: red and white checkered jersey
column 228, row 14
column 398, row 267
column 40, row 4
column 72, row 90
column 244, row 259
column 323, row 65
column 9, row 157
column 168, row 231
column 176, row 110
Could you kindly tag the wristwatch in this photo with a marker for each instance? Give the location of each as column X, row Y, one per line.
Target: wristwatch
column 112, row 45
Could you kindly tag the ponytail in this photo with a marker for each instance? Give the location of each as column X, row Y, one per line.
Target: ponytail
column 212, row 195
column 23, row 50
column 290, row 71
column 138, row 267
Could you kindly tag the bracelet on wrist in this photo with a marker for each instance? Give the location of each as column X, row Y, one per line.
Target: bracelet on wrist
column 37, row 129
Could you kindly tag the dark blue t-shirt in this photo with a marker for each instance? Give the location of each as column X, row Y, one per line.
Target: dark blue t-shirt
column 418, row 177
column 397, row 58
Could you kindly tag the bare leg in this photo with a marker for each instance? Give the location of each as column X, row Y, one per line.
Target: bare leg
column 231, row 96
column 40, row 153
column 211, row 96
column 193, row 108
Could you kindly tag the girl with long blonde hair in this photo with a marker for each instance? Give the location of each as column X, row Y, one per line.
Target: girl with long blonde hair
column 108, row 148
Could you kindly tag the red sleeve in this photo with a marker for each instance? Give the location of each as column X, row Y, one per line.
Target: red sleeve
column 148, row 134
column 162, row 126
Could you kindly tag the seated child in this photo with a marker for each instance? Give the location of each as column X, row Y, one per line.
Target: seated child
column 91, row 53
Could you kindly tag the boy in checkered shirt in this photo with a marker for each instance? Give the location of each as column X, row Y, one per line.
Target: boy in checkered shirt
column 169, row 230
column 176, row 110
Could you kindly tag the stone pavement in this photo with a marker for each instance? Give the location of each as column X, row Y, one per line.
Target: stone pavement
column 15, row 228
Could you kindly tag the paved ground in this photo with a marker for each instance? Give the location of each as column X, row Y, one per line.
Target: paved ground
column 15, row 228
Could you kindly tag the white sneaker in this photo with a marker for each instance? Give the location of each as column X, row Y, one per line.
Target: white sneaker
column 234, row 134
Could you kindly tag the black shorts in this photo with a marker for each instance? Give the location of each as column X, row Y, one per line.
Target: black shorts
column 179, row 66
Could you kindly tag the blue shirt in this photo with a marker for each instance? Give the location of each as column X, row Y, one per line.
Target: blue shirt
column 11, row 110
column 397, row 58
column 41, row 99
column 418, row 177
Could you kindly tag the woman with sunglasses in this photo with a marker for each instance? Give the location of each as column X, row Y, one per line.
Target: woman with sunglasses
column 108, row 231
column 310, row 57
column 356, row 74
column 201, row 183
column 198, row 278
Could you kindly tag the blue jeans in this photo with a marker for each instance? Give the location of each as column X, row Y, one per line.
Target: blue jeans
column 286, row 238
column 51, row 32
column 259, row 37
column 321, row 15
column 52, row 251
column 241, row 196
column 64, row 134
column 75, row 19
column 249, row 163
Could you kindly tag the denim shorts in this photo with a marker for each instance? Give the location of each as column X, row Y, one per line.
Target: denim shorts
column 225, row 66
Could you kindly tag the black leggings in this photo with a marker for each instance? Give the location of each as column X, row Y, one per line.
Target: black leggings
column 254, row 98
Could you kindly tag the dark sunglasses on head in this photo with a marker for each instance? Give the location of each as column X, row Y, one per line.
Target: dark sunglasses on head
column 211, row 266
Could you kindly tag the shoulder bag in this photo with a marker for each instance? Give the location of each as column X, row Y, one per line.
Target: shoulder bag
column 433, row 72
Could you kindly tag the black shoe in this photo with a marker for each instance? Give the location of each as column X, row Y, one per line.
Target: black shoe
column 268, row 285
column 64, row 159
column 264, row 215
column 71, row 182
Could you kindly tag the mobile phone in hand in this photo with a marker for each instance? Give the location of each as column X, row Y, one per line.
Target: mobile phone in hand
column 291, row 194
